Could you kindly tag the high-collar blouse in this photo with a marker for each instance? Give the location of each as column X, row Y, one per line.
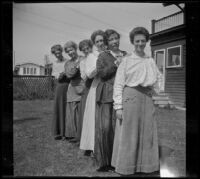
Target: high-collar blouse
column 58, row 67
column 134, row 71
column 119, row 56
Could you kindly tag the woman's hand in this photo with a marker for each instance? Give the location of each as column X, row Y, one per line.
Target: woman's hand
column 60, row 77
column 119, row 115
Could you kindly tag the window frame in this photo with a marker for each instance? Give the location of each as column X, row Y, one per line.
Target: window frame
column 31, row 70
column 175, row 66
column 24, row 70
column 27, row 70
column 164, row 67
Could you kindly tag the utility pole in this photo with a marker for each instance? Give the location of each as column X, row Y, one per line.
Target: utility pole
column 46, row 59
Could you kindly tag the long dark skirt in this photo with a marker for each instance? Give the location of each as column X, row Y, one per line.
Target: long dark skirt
column 135, row 146
column 59, row 110
column 82, row 106
column 72, row 118
column 104, row 133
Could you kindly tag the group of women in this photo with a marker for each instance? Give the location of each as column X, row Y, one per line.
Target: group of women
column 103, row 101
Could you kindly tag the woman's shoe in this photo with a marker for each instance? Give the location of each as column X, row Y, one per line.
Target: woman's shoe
column 103, row 169
column 74, row 140
column 58, row 137
column 63, row 138
column 111, row 168
column 87, row 152
column 68, row 138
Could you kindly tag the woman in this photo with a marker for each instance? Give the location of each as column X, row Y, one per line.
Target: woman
column 85, row 46
column 136, row 143
column 58, row 123
column 107, row 64
column 87, row 136
column 75, row 90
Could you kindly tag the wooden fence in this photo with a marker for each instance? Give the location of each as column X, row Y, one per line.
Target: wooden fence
column 33, row 87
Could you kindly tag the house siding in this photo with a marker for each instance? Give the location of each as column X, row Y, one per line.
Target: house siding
column 175, row 80
column 174, row 77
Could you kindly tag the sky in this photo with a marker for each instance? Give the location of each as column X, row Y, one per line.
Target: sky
column 39, row 26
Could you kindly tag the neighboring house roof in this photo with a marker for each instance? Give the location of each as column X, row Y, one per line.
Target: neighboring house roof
column 27, row 63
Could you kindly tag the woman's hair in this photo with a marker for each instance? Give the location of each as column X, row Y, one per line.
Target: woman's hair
column 98, row 32
column 85, row 42
column 139, row 30
column 55, row 48
column 70, row 44
column 109, row 32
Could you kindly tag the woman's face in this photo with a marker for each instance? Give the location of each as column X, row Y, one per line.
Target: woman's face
column 113, row 42
column 58, row 54
column 139, row 42
column 99, row 42
column 71, row 52
column 86, row 49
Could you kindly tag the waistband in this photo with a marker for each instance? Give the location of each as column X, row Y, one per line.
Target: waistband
column 145, row 90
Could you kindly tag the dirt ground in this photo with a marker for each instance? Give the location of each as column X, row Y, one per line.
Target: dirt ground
column 36, row 153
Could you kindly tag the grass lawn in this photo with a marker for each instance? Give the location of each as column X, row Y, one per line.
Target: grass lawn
column 36, row 153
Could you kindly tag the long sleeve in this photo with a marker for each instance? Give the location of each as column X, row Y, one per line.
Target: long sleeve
column 119, row 85
column 106, row 67
column 90, row 66
column 82, row 70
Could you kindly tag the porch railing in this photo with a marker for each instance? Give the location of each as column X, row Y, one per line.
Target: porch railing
column 167, row 22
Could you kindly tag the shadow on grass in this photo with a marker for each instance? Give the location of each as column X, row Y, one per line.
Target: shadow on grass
column 22, row 120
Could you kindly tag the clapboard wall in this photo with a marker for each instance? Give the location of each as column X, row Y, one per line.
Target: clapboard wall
column 174, row 77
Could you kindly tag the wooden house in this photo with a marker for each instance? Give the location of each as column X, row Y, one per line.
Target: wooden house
column 168, row 45
column 30, row 69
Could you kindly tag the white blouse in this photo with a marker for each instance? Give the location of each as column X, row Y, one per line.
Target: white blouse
column 82, row 69
column 58, row 67
column 90, row 64
column 118, row 57
column 134, row 71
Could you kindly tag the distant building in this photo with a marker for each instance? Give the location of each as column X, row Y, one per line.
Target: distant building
column 48, row 69
column 29, row 69
column 168, row 45
column 16, row 70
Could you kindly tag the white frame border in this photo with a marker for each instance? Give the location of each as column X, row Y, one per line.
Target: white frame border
column 177, row 66
column 164, row 66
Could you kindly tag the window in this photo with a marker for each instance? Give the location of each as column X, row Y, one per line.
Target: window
column 160, row 59
column 24, row 70
column 174, row 57
column 31, row 71
column 27, row 71
column 34, row 70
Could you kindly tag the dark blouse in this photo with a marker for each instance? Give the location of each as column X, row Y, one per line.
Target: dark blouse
column 72, row 69
column 76, row 86
column 106, row 70
column 106, row 67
